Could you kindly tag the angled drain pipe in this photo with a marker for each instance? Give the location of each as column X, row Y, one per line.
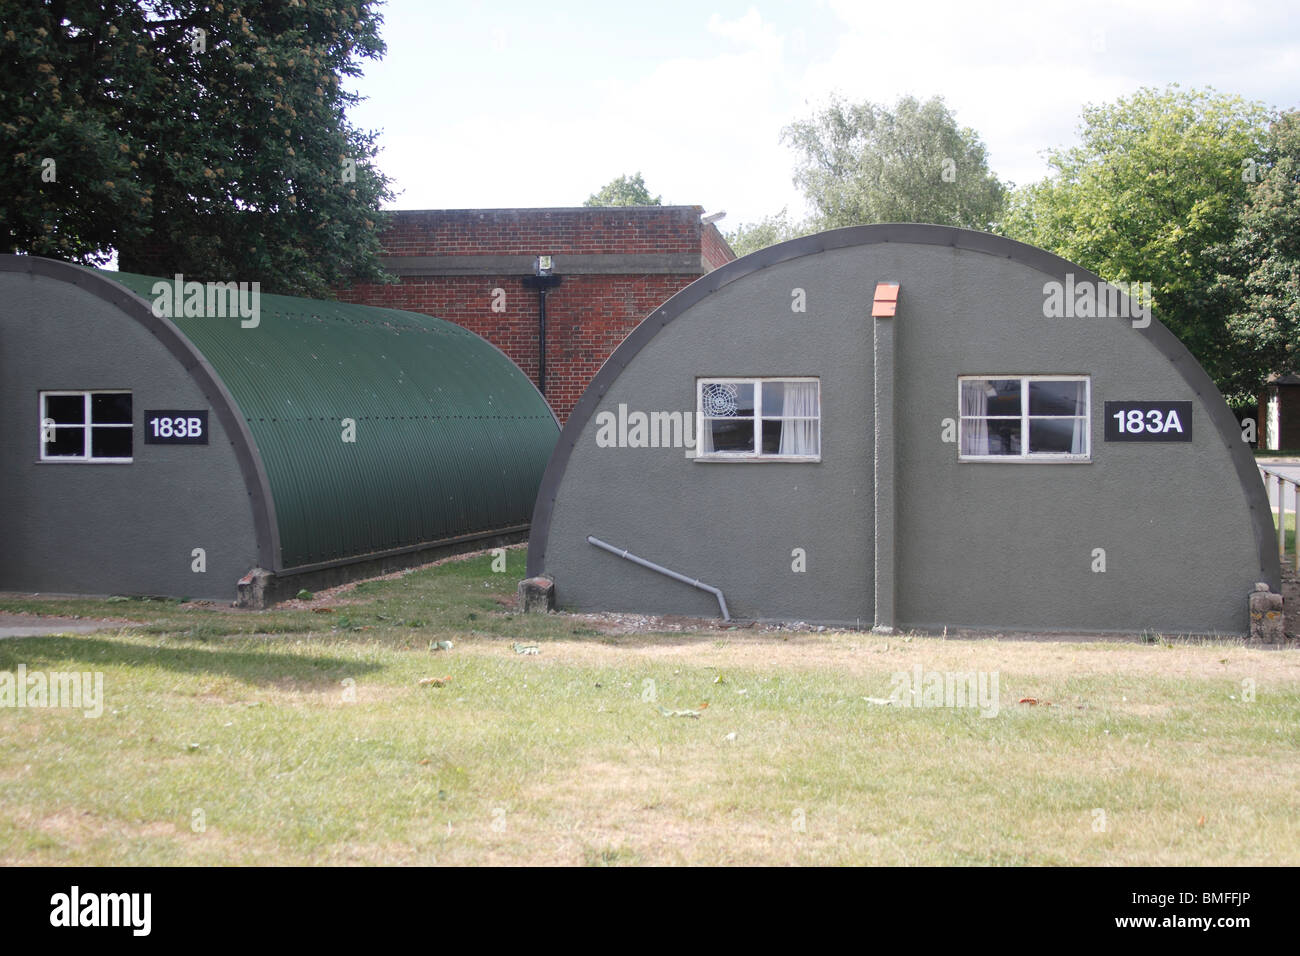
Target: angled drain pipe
column 668, row 572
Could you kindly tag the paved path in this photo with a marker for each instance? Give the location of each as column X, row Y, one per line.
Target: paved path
column 34, row 625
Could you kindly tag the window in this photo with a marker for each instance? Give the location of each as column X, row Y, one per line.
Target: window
column 86, row 426
column 759, row 419
column 1024, row 418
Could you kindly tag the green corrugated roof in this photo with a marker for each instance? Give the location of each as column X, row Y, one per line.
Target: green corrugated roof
column 451, row 437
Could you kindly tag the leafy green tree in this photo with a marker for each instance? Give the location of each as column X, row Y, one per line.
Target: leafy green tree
column 209, row 138
column 1157, row 181
column 1258, row 285
column 864, row 163
column 624, row 191
column 751, row 236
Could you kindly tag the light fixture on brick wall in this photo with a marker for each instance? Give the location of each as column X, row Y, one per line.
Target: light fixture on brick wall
column 542, row 280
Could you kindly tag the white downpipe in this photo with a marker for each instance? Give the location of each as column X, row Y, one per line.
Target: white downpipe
column 693, row 582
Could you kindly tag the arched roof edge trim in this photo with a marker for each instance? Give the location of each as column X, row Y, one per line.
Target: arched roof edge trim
column 1051, row 265
column 192, row 360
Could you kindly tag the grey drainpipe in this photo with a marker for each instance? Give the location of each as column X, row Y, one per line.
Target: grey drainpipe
column 883, row 329
column 542, row 283
column 693, row 582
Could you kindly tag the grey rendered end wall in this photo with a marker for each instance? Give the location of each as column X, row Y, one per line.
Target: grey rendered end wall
column 977, row 544
column 735, row 525
column 109, row 528
column 1014, row 546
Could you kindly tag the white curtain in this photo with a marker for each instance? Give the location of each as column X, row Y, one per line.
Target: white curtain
column 704, row 438
column 703, row 427
column 799, row 435
column 974, row 425
column 1079, row 441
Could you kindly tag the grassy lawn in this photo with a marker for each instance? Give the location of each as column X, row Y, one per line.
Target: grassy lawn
column 302, row 736
column 1288, row 519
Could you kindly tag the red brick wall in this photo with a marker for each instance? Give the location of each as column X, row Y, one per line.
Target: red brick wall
column 716, row 251
column 587, row 316
column 578, row 231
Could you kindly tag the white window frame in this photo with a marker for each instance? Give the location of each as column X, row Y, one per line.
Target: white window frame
column 757, row 454
column 1026, row 456
column 87, row 424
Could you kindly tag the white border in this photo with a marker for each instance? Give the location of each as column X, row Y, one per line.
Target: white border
column 1026, row 456
column 87, row 425
column 757, row 381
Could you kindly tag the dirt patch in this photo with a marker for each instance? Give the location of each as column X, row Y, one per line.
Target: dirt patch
column 37, row 625
column 614, row 623
column 1291, row 599
column 865, row 654
column 79, row 827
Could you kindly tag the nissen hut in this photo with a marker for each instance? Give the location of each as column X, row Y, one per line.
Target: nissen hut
column 906, row 426
column 164, row 439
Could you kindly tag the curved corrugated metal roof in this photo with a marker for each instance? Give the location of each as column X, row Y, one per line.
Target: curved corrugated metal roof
column 451, row 437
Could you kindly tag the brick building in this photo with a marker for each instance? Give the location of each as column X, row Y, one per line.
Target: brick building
column 1279, row 413
column 610, row 267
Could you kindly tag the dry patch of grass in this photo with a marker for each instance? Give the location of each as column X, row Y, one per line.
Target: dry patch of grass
column 224, row 742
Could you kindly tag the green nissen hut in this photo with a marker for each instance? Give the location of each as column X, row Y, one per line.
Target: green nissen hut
column 175, row 439
column 906, row 426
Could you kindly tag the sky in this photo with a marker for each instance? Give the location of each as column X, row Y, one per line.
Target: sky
column 502, row 104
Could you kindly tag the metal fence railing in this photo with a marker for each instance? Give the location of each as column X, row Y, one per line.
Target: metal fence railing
column 1276, row 483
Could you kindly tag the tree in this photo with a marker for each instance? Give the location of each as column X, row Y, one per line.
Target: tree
column 751, row 236
column 624, row 191
column 1154, row 185
column 1258, row 285
column 214, row 133
column 864, row 163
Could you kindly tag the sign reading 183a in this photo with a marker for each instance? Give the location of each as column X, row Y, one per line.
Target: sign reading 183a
column 1148, row 421
column 173, row 427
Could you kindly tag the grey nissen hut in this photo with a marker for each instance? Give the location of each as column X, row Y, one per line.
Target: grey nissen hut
column 906, row 425
column 169, row 439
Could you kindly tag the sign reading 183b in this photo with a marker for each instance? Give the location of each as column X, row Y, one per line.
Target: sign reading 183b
column 173, row 427
column 1148, row 421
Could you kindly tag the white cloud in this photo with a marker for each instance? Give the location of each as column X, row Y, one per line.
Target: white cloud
column 487, row 114
column 1020, row 75
column 702, row 129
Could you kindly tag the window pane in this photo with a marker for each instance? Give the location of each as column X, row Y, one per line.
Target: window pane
column 790, row 398
column 108, row 407
column 1004, row 436
column 744, row 398
column 773, row 398
column 991, row 396
column 796, row 436
column 66, row 409
column 771, row 433
column 1056, row 398
column 1063, row 436
column 111, row 442
column 724, row 399
column 67, row 442
column 732, row 434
